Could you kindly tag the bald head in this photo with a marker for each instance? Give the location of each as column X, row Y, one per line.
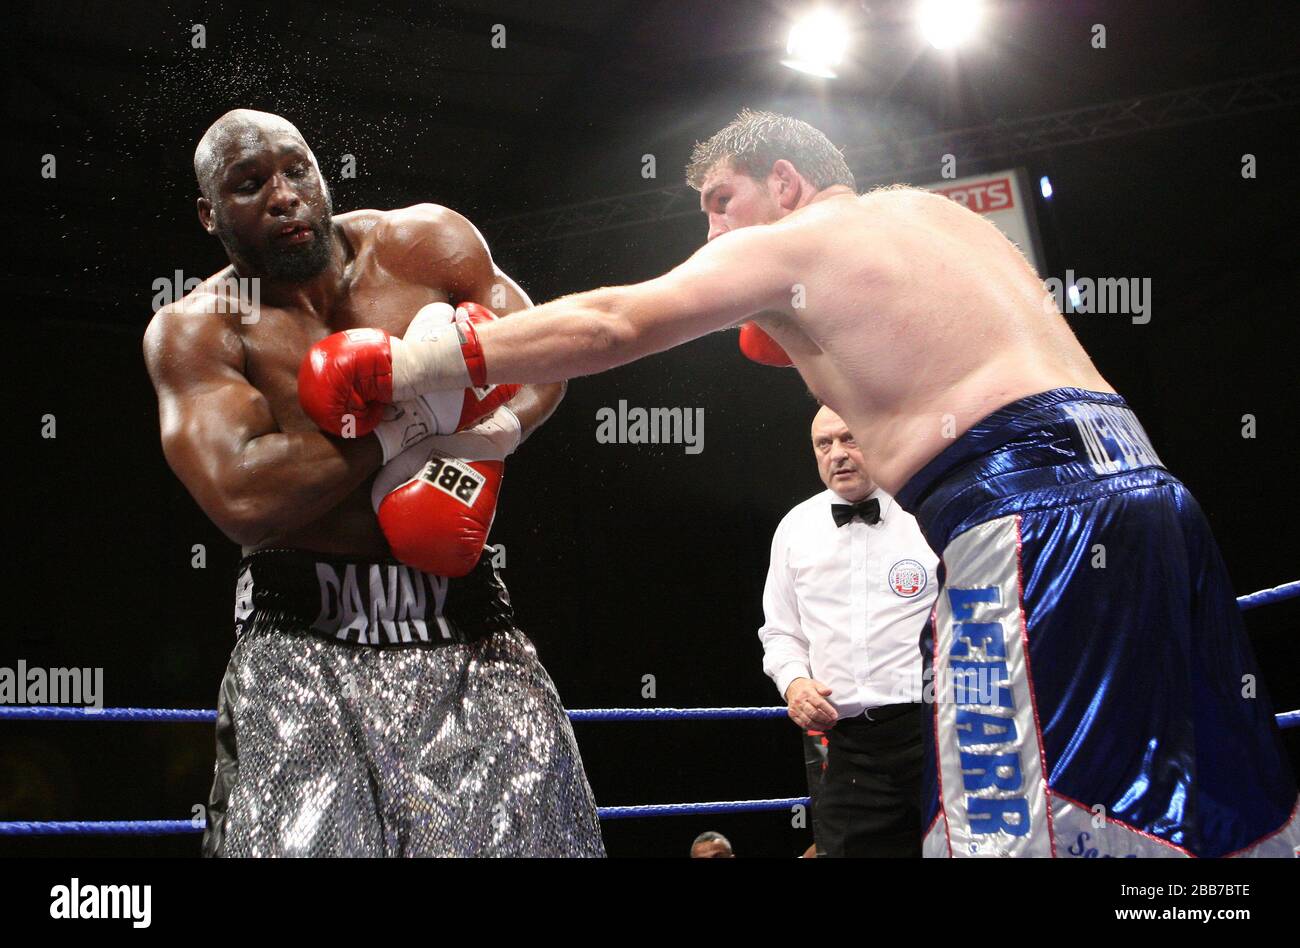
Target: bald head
column 839, row 459
column 264, row 197
column 711, row 845
column 825, row 416
column 234, row 135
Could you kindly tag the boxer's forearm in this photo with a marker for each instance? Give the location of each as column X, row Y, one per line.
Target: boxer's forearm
column 722, row 283
column 575, row 335
column 282, row 481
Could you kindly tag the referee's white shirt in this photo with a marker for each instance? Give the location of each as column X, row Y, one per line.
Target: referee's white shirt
column 846, row 605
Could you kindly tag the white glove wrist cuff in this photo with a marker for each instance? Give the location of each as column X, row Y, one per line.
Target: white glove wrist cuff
column 503, row 429
column 431, row 364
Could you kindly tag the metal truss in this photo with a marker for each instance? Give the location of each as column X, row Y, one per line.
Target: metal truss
column 891, row 159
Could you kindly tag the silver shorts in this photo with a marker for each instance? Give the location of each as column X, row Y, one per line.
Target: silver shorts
column 334, row 749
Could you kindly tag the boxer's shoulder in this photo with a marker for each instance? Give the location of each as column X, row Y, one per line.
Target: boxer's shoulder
column 898, row 196
column 420, row 234
column 904, row 206
column 360, row 224
column 184, row 316
column 883, row 210
column 848, row 228
column 198, row 325
column 423, row 223
column 425, row 235
column 376, row 230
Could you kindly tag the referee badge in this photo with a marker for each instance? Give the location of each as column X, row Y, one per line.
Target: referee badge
column 908, row 578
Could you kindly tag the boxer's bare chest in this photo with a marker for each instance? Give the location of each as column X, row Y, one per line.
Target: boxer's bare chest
column 276, row 343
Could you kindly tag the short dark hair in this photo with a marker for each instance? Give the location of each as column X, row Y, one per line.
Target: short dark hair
column 753, row 141
column 709, row 836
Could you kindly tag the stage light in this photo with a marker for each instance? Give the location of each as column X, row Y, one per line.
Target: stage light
column 817, row 44
column 945, row 23
column 1045, row 186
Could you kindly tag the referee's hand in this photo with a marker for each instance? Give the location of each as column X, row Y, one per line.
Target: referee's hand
column 807, row 705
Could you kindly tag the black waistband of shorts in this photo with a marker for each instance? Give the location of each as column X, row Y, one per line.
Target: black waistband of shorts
column 366, row 601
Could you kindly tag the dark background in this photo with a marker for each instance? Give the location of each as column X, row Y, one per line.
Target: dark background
column 623, row 560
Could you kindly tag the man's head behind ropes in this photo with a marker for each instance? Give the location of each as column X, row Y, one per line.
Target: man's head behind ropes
column 711, row 845
column 761, row 167
column 263, row 196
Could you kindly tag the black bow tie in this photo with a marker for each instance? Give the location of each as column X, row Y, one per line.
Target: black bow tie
column 868, row 510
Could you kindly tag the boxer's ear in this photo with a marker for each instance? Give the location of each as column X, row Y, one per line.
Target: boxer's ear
column 205, row 215
column 789, row 184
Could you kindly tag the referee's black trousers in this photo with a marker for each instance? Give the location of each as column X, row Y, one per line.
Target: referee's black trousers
column 869, row 802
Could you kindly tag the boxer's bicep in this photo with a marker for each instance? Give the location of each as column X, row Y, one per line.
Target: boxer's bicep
column 208, row 411
column 214, row 422
column 495, row 290
column 480, row 280
column 454, row 257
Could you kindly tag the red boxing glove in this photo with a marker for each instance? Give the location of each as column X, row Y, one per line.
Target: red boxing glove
column 758, row 346
column 403, row 423
column 459, row 498
column 347, row 374
column 436, row 501
column 470, row 348
column 484, row 399
column 481, row 402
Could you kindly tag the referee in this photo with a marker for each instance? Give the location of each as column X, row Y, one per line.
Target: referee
column 849, row 587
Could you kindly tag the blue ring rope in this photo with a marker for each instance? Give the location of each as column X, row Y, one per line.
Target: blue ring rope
column 45, row 712
column 679, row 809
column 1287, row 719
column 1267, row 597
column 158, row 715
column 101, row 828
column 174, row 827
column 59, row 712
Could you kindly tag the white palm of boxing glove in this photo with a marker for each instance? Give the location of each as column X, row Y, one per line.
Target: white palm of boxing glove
column 436, row 500
column 409, row 422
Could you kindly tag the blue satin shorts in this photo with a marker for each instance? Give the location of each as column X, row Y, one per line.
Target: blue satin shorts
column 1093, row 691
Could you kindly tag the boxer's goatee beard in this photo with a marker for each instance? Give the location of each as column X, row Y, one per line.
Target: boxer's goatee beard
column 295, row 264
column 291, row 264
